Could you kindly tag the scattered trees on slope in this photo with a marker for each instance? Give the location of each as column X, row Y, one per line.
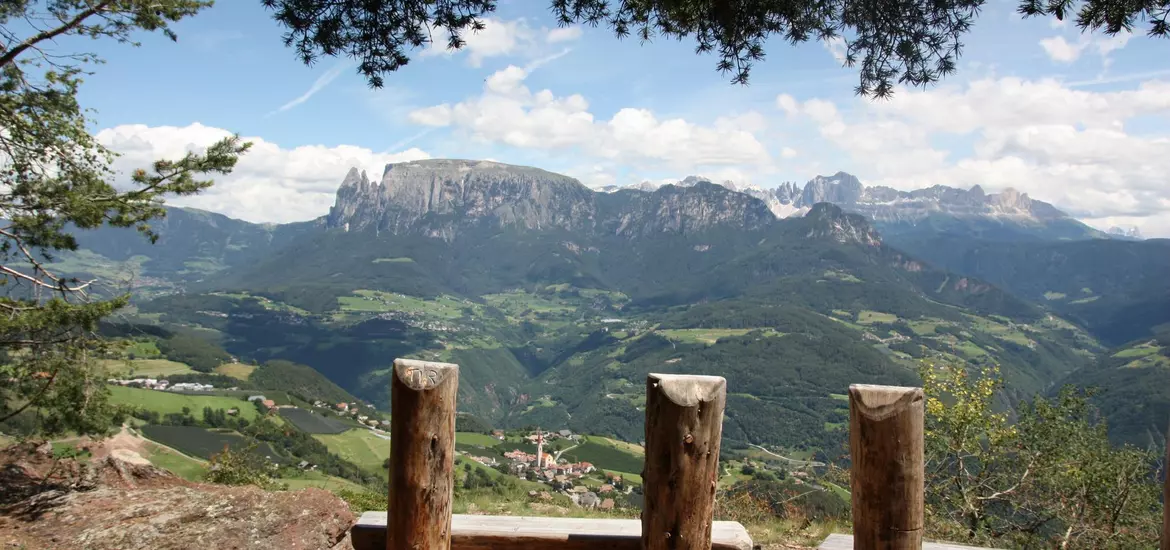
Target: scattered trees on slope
column 1050, row 479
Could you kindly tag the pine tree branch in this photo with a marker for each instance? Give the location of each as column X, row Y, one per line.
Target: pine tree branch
column 49, row 34
column 35, row 398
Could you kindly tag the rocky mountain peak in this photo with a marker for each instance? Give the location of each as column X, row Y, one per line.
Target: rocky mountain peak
column 829, row 221
column 443, row 197
column 1125, row 232
column 1011, row 199
column 435, row 197
column 840, row 188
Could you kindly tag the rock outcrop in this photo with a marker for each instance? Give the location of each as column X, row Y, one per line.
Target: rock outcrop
column 828, row 221
column 111, row 503
column 444, row 198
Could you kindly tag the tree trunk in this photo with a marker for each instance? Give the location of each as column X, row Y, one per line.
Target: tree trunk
column 684, row 424
column 422, row 433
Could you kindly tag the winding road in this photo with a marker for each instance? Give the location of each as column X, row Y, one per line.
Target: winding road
column 812, row 463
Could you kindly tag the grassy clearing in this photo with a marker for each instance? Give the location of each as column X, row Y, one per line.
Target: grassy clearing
column 839, row 396
column 1085, row 300
column 1054, row 295
column 374, row 301
column 1000, row 328
column 85, row 261
column 167, row 402
column 624, row 446
column 309, row 422
column 265, row 302
column 868, row 317
column 184, row 466
column 399, row 260
column 471, row 438
column 710, row 336
column 359, row 446
column 925, row 326
column 605, row 457
column 142, row 349
column 239, row 371
column 1148, row 348
column 144, row 367
column 841, row 276
column 970, row 350
column 520, row 305
column 1149, row 361
column 304, row 480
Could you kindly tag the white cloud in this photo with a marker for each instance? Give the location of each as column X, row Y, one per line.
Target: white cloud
column 269, row 184
column 1064, row 146
column 500, row 38
column 508, row 113
column 787, row 153
column 1061, row 50
column 318, row 85
column 563, row 34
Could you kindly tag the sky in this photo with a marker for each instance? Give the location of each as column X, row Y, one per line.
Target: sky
column 1076, row 120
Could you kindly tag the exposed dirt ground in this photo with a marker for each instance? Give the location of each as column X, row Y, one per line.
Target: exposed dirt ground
column 118, row 501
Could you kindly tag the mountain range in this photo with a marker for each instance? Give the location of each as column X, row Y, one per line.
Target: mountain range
column 557, row 299
column 971, row 212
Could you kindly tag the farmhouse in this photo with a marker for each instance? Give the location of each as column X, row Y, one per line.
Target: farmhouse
column 191, row 386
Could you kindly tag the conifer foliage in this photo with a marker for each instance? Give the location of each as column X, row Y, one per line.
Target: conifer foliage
column 55, row 179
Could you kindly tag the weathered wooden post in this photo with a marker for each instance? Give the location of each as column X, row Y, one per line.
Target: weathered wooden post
column 886, row 446
column 1166, row 496
column 422, row 433
column 684, row 424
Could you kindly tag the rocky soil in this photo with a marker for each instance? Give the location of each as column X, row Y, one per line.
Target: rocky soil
column 117, row 502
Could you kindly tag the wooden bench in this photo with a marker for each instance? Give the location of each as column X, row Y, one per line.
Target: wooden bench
column 473, row 532
column 845, row 542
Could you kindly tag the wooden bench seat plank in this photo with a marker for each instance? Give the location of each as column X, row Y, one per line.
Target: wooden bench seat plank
column 845, row 542
column 475, row 532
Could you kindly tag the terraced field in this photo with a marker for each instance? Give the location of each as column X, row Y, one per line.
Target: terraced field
column 239, row 371
column 360, row 447
column 311, row 423
column 202, row 443
column 169, row 402
column 144, row 367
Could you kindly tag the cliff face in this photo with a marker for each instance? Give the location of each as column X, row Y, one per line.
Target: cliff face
column 439, row 197
column 828, row 221
column 684, row 210
column 444, row 198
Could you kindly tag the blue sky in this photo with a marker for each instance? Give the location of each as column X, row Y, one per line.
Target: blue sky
column 1079, row 121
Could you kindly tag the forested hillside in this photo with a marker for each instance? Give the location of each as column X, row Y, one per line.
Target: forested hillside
column 559, row 302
